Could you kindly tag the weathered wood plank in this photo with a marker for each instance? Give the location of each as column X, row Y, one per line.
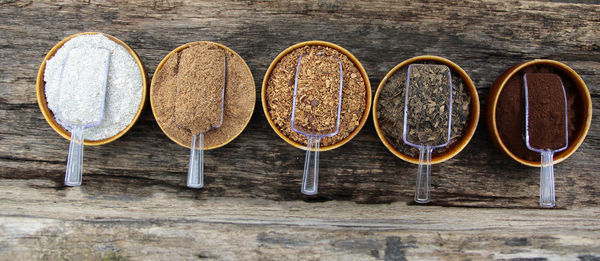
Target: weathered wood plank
column 45, row 223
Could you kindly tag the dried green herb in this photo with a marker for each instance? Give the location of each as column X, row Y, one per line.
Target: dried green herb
column 427, row 104
column 390, row 111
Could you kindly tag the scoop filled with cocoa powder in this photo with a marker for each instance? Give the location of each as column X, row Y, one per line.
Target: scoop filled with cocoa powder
column 316, row 107
column 545, row 126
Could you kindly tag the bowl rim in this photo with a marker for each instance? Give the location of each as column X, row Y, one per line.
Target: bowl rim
column 161, row 64
column 500, row 83
column 474, row 113
column 41, row 95
column 356, row 63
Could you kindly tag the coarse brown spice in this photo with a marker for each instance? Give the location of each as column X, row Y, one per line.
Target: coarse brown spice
column 240, row 95
column 317, row 94
column 280, row 91
column 390, row 111
column 510, row 111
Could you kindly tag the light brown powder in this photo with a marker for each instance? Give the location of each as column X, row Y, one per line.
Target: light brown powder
column 199, row 88
column 240, row 96
column 280, row 91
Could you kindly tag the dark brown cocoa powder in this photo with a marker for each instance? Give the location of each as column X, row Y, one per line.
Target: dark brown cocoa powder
column 510, row 111
column 390, row 111
column 240, row 96
column 280, row 91
column 546, row 113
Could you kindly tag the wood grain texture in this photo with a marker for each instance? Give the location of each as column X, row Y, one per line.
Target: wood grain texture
column 74, row 224
column 134, row 203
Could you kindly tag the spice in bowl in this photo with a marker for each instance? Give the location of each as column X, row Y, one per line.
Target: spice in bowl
column 280, row 91
column 183, row 67
column 317, row 94
column 510, row 113
column 199, row 90
column 124, row 86
column 390, row 112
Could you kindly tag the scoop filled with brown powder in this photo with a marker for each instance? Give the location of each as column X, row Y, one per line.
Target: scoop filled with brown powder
column 200, row 94
column 316, row 107
column 240, row 94
column 200, row 89
column 546, row 122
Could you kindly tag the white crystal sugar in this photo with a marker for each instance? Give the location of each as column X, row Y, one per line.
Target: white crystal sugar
column 123, row 87
column 82, row 87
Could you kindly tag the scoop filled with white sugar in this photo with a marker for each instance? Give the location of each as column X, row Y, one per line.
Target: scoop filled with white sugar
column 124, row 86
column 81, row 101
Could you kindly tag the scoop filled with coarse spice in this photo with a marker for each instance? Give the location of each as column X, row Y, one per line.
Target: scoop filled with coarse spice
column 202, row 96
column 316, row 96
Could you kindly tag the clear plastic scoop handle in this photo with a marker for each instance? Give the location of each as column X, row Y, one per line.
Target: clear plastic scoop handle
column 310, row 183
column 547, row 194
column 75, row 158
column 195, row 177
column 424, row 174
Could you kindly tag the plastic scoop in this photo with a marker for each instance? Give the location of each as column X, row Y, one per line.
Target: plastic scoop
column 199, row 109
column 427, row 117
column 546, row 126
column 313, row 115
column 81, row 101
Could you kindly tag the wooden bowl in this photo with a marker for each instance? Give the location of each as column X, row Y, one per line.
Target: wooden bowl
column 152, row 102
column 581, row 89
column 338, row 48
column 41, row 94
column 473, row 115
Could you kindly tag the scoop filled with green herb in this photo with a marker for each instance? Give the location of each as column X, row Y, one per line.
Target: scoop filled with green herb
column 427, row 117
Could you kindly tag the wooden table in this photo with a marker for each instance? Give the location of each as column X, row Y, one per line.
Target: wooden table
column 133, row 203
